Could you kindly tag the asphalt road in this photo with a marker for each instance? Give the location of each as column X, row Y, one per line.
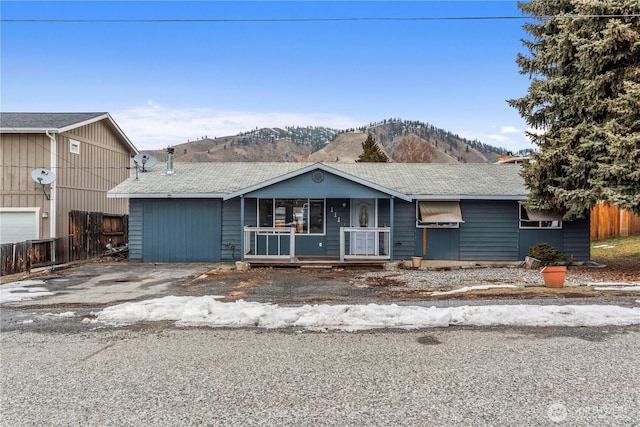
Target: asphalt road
column 58, row 370
column 162, row 376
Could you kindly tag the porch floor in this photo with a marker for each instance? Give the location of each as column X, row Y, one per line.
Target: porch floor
column 314, row 262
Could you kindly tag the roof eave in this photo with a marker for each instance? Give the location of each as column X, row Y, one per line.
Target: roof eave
column 468, row 196
column 165, row 195
column 106, row 116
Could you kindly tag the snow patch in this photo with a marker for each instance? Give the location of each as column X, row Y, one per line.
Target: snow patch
column 471, row 288
column 207, row 311
column 22, row 290
column 617, row 288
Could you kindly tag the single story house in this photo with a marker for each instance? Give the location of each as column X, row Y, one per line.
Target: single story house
column 287, row 212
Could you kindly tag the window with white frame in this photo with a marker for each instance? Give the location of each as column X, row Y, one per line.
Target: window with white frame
column 74, row 146
column 306, row 215
column 438, row 214
column 530, row 219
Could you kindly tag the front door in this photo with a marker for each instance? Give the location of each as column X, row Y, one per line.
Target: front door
column 364, row 214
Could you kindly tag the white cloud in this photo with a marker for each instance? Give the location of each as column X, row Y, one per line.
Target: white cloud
column 153, row 126
column 497, row 138
column 510, row 129
column 508, row 137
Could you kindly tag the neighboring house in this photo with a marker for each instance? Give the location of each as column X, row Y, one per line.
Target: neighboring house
column 88, row 154
column 288, row 212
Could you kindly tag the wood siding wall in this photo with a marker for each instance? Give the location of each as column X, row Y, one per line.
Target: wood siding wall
column 82, row 180
column 609, row 221
column 19, row 155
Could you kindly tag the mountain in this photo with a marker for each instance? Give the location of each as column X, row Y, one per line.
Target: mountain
column 321, row 144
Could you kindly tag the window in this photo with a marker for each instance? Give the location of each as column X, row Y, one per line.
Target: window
column 74, row 146
column 530, row 219
column 306, row 215
column 438, row 214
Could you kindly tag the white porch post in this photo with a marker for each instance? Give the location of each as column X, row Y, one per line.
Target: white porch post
column 292, row 244
column 342, row 244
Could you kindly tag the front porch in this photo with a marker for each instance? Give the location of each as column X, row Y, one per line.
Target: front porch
column 277, row 246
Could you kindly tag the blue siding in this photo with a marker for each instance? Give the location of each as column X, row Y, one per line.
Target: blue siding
column 135, row 230
column 490, row 231
column 573, row 239
column 331, row 186
column 181, row 230
column 404, row 223
column 333, row 226
column 442, row 243
column 576, row 242
column 530, row 238
column 231, row 233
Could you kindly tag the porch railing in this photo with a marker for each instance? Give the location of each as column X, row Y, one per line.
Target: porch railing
column 371, row 243
column 270, row 242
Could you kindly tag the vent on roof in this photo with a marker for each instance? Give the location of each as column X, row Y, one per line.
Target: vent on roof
column 170, row 151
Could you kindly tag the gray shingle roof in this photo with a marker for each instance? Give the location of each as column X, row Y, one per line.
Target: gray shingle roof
column 44, row 120
column 412, row 179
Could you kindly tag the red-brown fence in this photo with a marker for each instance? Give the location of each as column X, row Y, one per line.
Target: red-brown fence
column 610, row 221
column 89, row 233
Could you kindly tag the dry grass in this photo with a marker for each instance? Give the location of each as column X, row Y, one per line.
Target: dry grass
column 616, row 247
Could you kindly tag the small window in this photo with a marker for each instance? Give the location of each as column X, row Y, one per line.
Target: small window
column 74, row 146
column 438, row 214
column 530, row 219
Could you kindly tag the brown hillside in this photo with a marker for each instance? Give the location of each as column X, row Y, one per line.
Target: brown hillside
column 291, row 144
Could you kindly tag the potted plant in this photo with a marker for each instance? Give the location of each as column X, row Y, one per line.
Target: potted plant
column 554, row 264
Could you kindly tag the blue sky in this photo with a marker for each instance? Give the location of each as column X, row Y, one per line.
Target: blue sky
column 229, row 69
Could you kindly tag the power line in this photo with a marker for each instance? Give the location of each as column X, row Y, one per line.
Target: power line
column 294, row 20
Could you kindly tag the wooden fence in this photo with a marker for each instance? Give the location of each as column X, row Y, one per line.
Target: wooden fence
column 89, row 233
column 609, row 221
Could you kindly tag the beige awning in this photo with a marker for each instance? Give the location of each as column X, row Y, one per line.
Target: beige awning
column 440, row 212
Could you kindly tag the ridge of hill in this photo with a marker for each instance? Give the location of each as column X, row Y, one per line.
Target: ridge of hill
column 322, row 144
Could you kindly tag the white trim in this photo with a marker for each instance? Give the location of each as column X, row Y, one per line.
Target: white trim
column 74, row 146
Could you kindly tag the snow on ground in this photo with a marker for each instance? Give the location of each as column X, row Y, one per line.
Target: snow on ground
column 22, row 290
column 471, row 288
column 207, row 311
column 617, row 288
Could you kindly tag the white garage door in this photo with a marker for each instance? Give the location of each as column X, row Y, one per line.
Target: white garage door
column 18, row 225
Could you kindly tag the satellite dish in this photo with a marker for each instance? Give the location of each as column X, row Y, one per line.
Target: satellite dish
column 145, row 159
column 43, row 177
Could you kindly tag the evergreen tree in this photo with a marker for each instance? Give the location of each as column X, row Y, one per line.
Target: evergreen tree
column 582, row 102
column 371, row 152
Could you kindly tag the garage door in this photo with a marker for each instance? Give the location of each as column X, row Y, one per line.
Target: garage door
column 18, row 226
column 181, row 230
